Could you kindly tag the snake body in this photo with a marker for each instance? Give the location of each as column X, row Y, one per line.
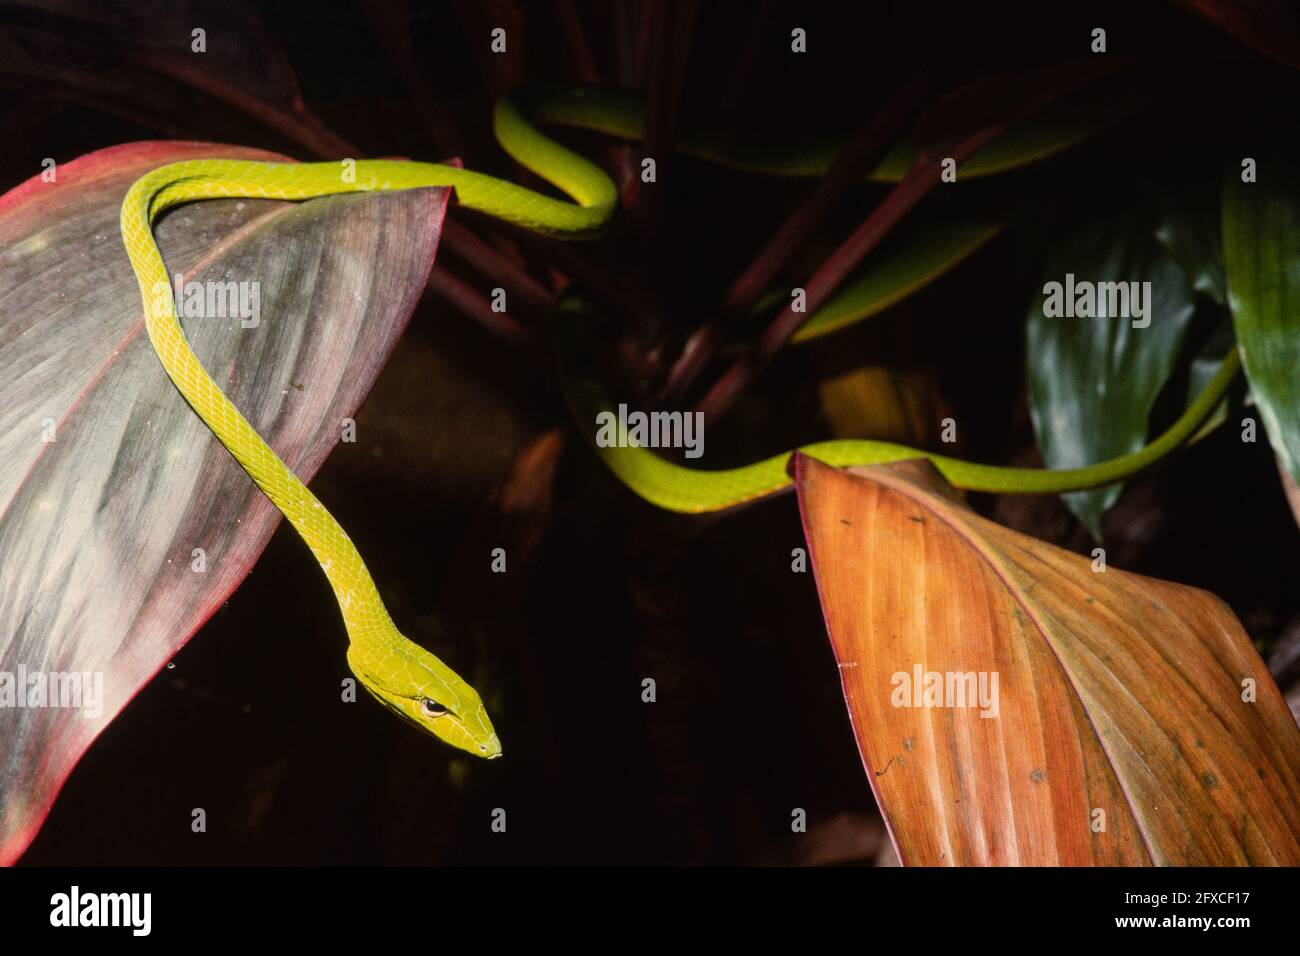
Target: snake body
column 403, row 676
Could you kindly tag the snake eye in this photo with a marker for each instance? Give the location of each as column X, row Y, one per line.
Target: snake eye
column 431, row 708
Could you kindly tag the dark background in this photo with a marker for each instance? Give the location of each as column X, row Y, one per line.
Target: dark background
column 602, row 590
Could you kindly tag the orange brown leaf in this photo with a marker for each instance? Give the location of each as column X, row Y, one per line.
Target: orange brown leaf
column 1130, row 721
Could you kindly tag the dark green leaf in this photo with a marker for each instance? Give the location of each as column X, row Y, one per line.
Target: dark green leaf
column 1093, row 381
column 1261, row 251
column 1189, row 230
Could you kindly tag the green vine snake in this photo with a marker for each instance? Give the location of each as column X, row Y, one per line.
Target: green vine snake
column 403, row 676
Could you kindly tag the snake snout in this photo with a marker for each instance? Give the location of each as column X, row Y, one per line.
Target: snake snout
column 491, row 748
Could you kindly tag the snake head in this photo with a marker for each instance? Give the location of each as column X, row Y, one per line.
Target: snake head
column 425, row 692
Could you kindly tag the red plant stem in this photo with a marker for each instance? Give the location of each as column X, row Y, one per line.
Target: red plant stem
column 920, row 179
column 672, row 26
column 759, row 27
column 303, row 128
column 845, row 171
column 502, row 73
column 391, row 25
column 633, row 28
column 620, row 296
column 575, row 39
column 586, row 70
column 641, row 43
column 492, row 264
column 472, row 303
